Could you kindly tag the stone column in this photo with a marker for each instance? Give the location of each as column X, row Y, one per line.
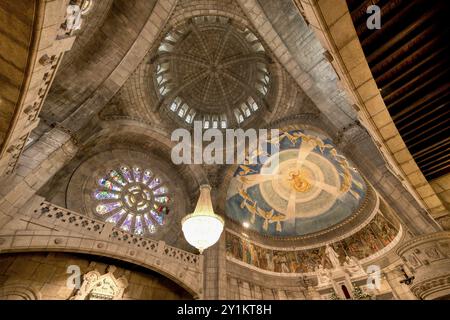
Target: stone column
column 428, row 258
column 215, row 271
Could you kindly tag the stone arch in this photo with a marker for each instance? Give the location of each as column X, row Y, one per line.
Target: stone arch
column 19, row 291
column 188, row 278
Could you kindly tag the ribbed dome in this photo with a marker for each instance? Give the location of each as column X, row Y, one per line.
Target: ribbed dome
column 213, row 70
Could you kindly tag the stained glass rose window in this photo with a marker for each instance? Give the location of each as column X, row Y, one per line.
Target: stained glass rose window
column 133, row 199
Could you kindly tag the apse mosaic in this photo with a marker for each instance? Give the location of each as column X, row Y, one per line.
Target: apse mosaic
column 362, row 244
column 312, row 188
column 133, row 199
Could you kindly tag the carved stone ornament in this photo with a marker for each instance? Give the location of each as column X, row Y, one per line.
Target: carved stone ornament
column 323, row 275
column 353, row 267
column 101, row 287
column 413, row 260
column 432, row 253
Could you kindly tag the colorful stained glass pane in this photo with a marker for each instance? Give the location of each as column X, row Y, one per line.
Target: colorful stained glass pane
column 108, row 185
column 147, row 194
column 126, row 225
column 138, row 226
column 158, row 218
column 102, row 195
column 164, row 210
column 160, row 209
column 154, row 183
column 163, row 199
column 140, row 199
column 107, row 207
column 117, row 177
column 142, row 207
column 127, row 174
column 115, row 218
column 150, row 224
column 147, row 176
column 160, row 191
column 137, row 174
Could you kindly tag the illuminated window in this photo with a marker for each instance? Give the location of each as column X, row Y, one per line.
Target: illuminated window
column 133, row 199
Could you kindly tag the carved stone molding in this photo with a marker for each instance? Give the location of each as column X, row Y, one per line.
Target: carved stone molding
column 19, row 291
column 428, row 257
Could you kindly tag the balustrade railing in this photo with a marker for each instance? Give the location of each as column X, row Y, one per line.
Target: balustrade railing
column 71, row 220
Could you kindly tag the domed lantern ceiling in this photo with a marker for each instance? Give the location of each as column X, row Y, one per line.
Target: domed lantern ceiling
column 213, row 70
column 313, row 188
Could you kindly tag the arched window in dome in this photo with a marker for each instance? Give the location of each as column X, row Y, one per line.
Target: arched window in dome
column 215, row 122
column 261, row 88
column 239, row 116
column 162, row 68
column 164, row 89
column 165, row 47
column 250, row 36
column 253, row 105
column 246, row 110
column 175, row 104
column 163, row 79
column 132, row 199
column 190, row 116
column 170, row 37
column 223, row 121
column 182, row 111
column 258, row 47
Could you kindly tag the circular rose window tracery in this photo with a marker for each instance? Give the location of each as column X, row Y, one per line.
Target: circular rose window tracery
column 133, row 199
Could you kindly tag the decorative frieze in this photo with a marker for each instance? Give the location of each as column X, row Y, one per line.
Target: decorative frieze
column 40, row 78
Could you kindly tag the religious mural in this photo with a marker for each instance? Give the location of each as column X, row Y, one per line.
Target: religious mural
column 372, row 238
column 311, row 188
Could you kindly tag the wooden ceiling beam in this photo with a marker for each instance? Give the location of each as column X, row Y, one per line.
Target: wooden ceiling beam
column 398, row 102
column 436, row 95
column 380, row 68
column 359, row 15
column 391, row 96
column 432, row 148
column 400, row 36
column 423, row 133
column 438, row 116
column 400, row 67
column 437, row 167
column 432, row 163
column 373, row 36
column 424, row 138
column 435, row 155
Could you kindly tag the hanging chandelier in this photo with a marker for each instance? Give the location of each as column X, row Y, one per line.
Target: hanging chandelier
column 203, row 227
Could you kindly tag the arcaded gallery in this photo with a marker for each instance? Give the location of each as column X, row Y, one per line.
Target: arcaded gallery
column 224, row 150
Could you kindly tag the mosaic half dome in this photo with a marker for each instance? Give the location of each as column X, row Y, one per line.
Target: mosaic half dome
column 311, row 188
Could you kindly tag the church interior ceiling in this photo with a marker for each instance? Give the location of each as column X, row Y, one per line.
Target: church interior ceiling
column 138, row 70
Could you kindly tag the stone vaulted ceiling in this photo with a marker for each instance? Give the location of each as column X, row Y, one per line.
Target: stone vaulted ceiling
column 86, row 142
column 214, row 70
column 225, row 69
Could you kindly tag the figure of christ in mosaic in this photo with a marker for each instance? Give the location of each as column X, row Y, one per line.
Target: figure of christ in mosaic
column 311, row 187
